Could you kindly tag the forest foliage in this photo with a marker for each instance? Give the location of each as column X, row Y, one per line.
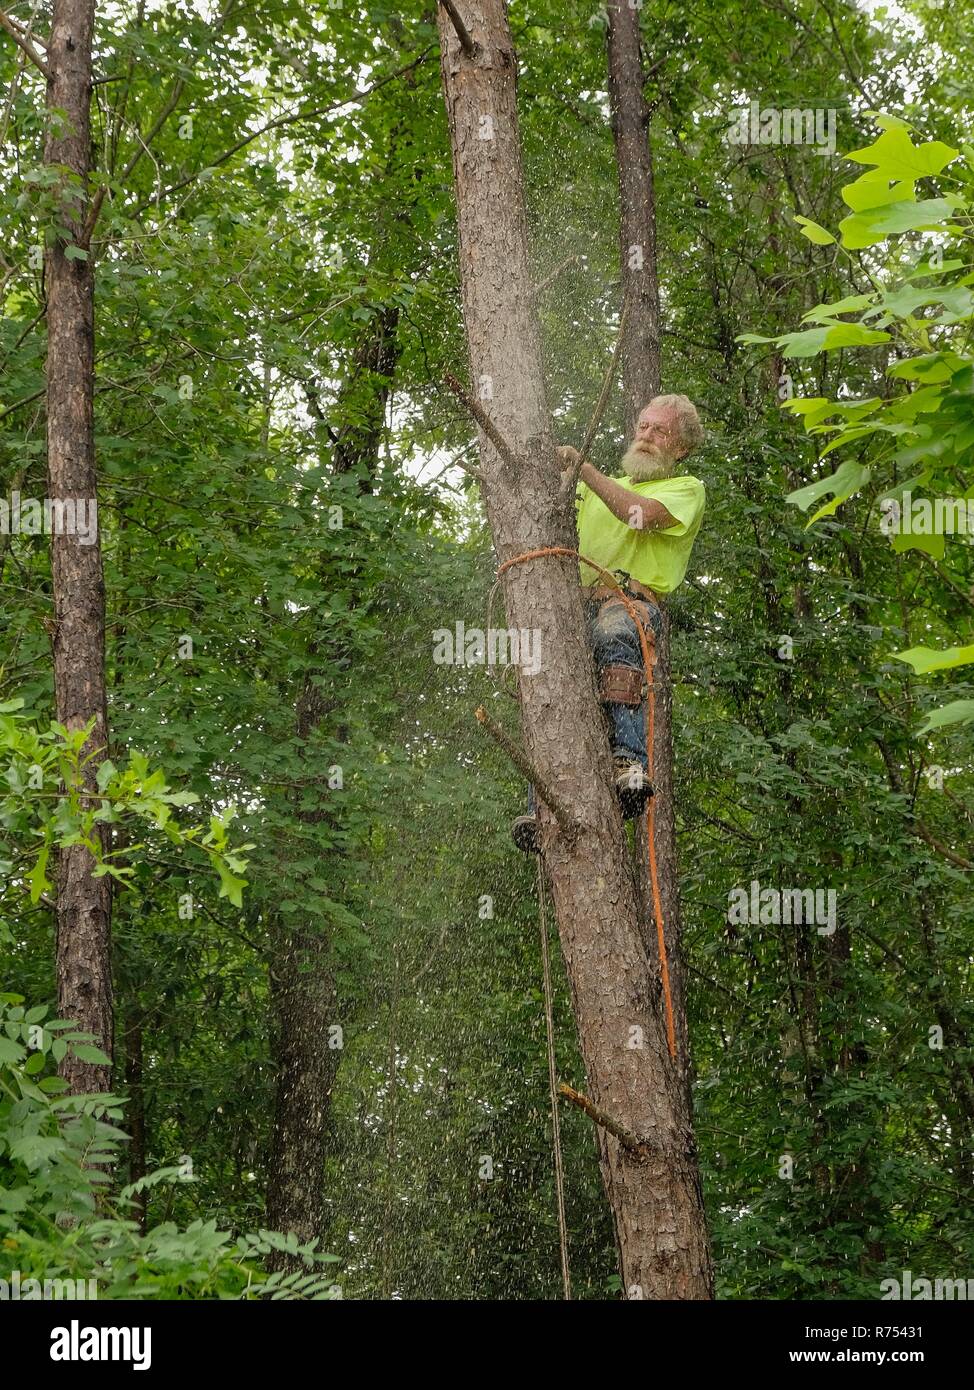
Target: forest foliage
column 276, row 253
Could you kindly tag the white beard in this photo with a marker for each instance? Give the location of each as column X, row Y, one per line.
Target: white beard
column 642, row 465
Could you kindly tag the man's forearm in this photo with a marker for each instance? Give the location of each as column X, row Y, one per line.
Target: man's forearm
column 641, row 513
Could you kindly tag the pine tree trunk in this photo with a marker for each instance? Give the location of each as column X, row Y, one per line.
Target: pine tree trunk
column 637, row 211
column 655, row 1198
column 84, row 902
column 641, row 377
column 303, row 1001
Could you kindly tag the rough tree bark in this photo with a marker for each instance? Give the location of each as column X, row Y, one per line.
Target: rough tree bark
column 637, row 211
column 641, row 377
column 303, row 1004
column 84, row 903
column 655, row 1196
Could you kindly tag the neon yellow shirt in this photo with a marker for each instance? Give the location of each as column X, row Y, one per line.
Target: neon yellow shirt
column 657, row 559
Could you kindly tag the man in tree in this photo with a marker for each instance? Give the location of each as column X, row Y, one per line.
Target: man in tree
column 641, row 527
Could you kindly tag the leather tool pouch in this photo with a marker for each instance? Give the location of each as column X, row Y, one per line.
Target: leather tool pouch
column 620, row 685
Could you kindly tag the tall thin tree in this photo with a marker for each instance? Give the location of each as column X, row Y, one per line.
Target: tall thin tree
column 84, row 902
column 641, row 378
column 629, row 115
column 648, row 1161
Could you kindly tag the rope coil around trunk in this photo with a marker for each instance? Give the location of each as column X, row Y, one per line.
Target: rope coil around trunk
column 647, row 645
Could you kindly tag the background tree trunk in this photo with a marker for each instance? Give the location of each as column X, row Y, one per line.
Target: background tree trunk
column 84, row 902
column 304, row 1007
column 637, row 211
column 656, row 1202
column 641, row 378
column 303, row 994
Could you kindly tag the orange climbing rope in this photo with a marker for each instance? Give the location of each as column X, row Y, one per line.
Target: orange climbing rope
column 647, row 645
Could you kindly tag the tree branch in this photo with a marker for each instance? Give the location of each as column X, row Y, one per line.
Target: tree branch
column 467, row 42
column 144, row 143
column 915, row 826
column 549, row 279
column 921, row 830
column 25, row 400
column 569, row 480
column 22, row 39
column 281, row 121
column 157, row 125
column 519, row 758
column 638, row 1148
column 467, row 468
column 484, row 421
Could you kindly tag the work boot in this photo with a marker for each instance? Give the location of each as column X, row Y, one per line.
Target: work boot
column 524, row 832
column 633, row 787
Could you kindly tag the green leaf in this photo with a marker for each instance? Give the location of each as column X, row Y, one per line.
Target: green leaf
column 925, row 659
column 864, row 229
column 850, row 305
column 896, row 156
column 828, row 338
column 842, row 335
column 10, row 1052
column 37, row 878
column 934, row 546
column 874, row 191
column 813, row 409
column 86, row 1052
column 957, row 712
column 105, row 774
column 230, row 886
column 846, row 480
column 814, row 232
column 904, row 300
column 931, row 368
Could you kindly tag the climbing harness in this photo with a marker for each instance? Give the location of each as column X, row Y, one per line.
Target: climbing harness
column 647, row 643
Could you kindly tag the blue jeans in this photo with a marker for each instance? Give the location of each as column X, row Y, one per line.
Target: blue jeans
column 614, row 640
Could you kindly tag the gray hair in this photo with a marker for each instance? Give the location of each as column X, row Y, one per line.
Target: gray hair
column 689, row 429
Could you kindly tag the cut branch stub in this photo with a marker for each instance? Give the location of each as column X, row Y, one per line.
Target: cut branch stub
column 468, row 43
column 566, row 823
column 484, row 421
column 638, row 1148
